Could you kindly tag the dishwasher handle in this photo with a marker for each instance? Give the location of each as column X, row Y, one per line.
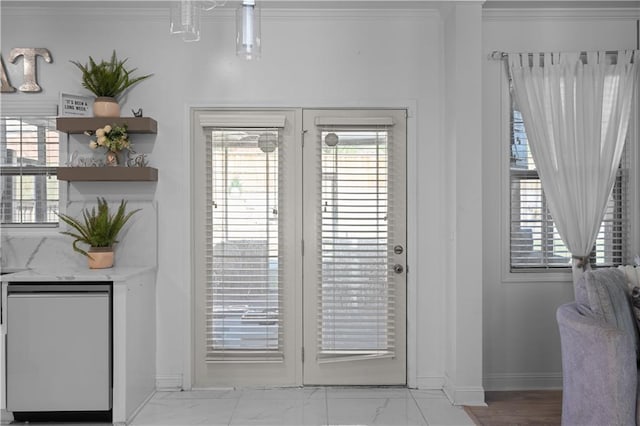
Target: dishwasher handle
column 15, row 289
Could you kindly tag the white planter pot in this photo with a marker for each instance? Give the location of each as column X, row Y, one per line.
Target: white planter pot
column 106, row 107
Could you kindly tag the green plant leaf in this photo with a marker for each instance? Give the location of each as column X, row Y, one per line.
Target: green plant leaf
column 110, row 79
column 97, row 228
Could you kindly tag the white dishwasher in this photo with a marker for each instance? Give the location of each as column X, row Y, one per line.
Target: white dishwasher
column 58, row 347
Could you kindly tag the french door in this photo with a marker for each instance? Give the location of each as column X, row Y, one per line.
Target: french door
column 354, row 282
column 299, row 247
column 246, row 247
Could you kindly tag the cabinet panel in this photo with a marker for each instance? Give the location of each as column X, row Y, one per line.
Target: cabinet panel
column 58, row 352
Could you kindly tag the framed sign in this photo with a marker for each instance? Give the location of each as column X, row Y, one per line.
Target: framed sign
column 75, row 105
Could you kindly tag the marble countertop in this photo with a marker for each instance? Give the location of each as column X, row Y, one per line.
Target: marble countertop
column 57, row 274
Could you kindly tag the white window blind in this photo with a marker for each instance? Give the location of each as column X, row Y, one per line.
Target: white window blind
column 244, row 266
column 29, row 155
column 535, row 243
column 355, row 294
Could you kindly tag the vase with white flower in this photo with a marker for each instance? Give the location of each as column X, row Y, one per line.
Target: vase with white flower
column 115, row 140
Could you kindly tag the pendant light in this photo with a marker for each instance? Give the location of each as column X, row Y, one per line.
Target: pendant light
column 248, row 30
column 185, row 19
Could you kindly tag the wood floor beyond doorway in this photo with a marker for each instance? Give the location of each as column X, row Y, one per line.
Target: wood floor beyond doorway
column 518, row 408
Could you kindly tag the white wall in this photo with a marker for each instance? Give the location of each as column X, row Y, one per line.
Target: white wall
column 521, row 343
column 347, row 58
column 311, row 58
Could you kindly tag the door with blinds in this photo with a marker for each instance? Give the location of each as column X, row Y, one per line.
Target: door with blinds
column 354, row 214
column 246, row 247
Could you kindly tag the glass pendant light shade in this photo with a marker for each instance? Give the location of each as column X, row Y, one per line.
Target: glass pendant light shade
column 185, row 19
column 212, row 4
column 248, row 30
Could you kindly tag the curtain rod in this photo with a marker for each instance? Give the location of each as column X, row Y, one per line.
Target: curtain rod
column 497, row 55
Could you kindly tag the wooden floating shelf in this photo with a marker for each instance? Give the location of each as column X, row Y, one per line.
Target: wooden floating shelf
column 108, row 174
column 82, row 124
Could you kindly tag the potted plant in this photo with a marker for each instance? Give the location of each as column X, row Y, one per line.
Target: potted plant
column 108, row 80
column 98, row 229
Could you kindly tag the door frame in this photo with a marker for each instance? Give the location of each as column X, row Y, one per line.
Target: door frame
column 185, row 378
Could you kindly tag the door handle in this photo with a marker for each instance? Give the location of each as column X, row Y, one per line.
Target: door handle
column 398, row 268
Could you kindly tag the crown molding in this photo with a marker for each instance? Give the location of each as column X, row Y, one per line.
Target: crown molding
column 574, row 14
column 88, row 9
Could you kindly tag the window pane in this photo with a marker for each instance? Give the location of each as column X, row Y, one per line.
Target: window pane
column 535, row 242
column 29, row 155
column 357, row 302
column 244, row 269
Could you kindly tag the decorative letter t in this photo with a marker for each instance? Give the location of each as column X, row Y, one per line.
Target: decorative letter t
column 30, row 55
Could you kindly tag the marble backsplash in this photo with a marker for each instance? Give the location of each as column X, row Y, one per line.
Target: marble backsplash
column 137, row 241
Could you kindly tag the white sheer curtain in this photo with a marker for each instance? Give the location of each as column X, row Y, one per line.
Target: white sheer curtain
column 576, row 113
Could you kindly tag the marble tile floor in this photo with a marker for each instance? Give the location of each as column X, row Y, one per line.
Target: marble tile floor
column 390, row 406
column 302, row 406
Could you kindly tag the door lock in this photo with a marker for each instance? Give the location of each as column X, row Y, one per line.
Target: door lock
column 398, row 268
column 398, row 249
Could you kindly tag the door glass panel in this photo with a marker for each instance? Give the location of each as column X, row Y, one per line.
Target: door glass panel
column 244, row 291
column 356, row 301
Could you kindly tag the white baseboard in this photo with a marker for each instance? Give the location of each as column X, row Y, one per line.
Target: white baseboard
column 430, row 382
column 464, row 395
column 169, row 382
column 522, row 381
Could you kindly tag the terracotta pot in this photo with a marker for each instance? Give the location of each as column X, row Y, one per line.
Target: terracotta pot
column 100, row 257
column 106, row 107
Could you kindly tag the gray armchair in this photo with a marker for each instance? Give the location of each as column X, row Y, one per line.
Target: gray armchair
column 599, row 340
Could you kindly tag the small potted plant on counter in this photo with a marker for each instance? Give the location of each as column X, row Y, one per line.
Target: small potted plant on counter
column 98, row 229
column 108, row 80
